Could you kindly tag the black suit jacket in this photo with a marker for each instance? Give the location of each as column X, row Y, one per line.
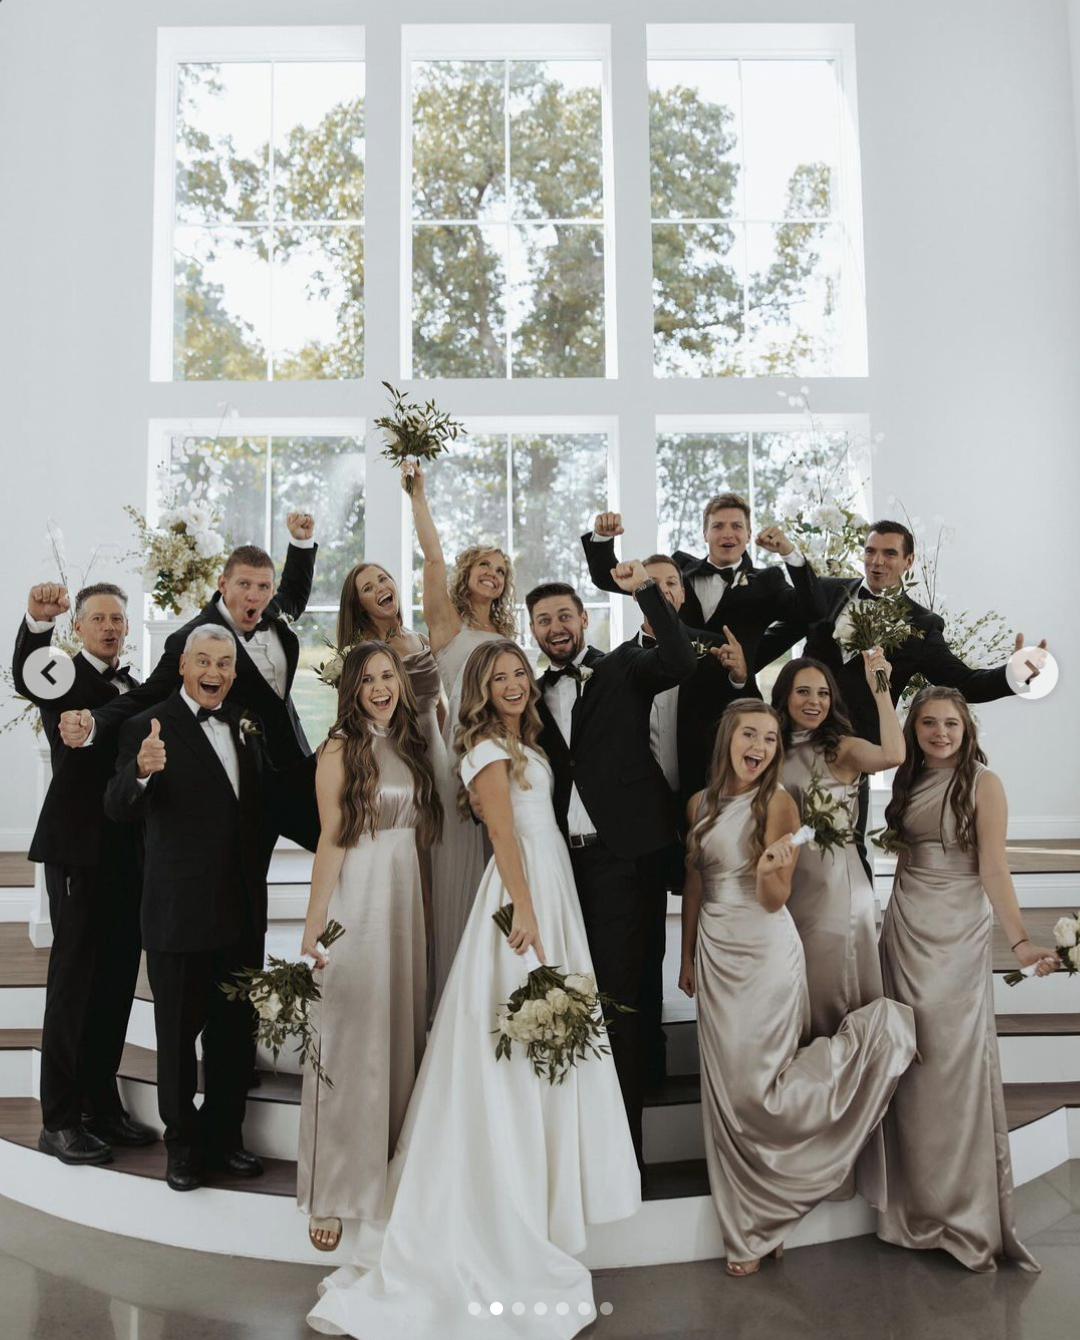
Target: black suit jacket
column 285, row 739
column 204, row 884
column 928, row 655
column 620, row 783
column 748, row 611
column 72, row 828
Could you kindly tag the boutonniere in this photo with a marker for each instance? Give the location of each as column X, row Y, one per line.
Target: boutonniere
column 584, row 674
column 249, row 725
column 743, row 577
column 701, row 649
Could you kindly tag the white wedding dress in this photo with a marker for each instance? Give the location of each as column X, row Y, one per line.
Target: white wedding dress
column 497, row 1172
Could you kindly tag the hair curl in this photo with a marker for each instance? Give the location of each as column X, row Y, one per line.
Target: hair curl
column 960, row 792
column 479, row 720
column 829, row 732
column 503, row 618
column 360, row 793
column 721, row 771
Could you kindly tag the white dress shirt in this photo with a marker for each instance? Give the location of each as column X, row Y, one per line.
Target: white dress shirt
column 265, row 650
column 216, row 729
column 560, row 698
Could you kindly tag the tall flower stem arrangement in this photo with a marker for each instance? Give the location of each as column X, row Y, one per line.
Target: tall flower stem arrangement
column 819, row 497
column 181, row 555
column 415, row 432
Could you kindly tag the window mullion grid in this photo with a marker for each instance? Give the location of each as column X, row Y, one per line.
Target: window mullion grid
column 268, row 519
column 271, row 217
column 743, row 212
column 751, row 488
column 510, row 496
column 508, row 300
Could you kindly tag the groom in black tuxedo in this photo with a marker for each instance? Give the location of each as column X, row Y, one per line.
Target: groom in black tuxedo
column 723, row 591
column 92, row 878
column 191, row 768
column 248, row 605
column 612, row 802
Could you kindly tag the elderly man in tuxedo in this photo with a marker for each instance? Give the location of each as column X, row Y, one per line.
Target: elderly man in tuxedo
column 194, row 777
column 92, row 879
column 726, row 599
column 248, row 604
column 611, row 799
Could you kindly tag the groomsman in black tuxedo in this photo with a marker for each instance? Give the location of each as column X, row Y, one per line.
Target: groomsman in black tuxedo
column 92, row 879
column 611, row 799
column 248, row 605
column 188, row 771
column 722, row 591
column 888, row 554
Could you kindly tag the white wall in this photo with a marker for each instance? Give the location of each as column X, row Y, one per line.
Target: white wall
column 972, row 234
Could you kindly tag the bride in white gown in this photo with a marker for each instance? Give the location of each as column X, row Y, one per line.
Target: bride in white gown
column 497, row 1172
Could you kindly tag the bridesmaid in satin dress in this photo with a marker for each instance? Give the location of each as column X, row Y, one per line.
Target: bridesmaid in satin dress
column 472, row 605
column 950, row 1181
column 785, row 1117
column 380, row 812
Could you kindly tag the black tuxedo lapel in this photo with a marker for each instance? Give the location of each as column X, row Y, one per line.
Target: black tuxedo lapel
column 587, row 697
column 192, row 734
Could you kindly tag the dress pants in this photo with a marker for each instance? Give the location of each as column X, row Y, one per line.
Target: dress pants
column 619, row 898
column 188, row 1001
column 93, row 968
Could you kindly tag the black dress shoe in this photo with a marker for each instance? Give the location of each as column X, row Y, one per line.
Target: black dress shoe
column 183, row 1174
column 74, row 1145
column 238, row 1162
column 121, row 1130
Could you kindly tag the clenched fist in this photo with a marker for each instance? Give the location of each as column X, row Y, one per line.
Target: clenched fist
column 151, row 755
column 774, row 540
column 47, row 601
column 629, row 576
column 778, row 856
column 607, row 525
column 301, row 525
column 75, row 727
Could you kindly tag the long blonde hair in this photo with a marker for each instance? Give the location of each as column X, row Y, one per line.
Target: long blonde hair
column 960, row 791
column 503, row 617
column 360, row 793
column 478, row 719
column 721, row 770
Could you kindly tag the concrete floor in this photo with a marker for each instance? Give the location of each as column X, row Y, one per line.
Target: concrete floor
column 61, row 1282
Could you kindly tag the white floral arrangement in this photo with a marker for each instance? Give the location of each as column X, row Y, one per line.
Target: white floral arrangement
column 180, row 556
column 1067, row 944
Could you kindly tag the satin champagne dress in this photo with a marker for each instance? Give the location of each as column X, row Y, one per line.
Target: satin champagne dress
column 497, row 1172
column 464, row 852
column 946, row 1135
column 371, row 1018
column 785, row 1117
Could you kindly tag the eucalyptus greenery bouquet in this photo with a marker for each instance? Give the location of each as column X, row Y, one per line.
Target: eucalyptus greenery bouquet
column 827, row 815
column 888, row 840
column 884, row 622
column 414, row 432
column 281, row 995
column 557, row 1017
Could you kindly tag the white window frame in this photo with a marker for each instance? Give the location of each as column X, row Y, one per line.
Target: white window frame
column 178, row 46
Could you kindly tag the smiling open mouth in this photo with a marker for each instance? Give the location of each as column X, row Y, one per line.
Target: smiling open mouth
column 381, row 700
column 753, row 761
column 386, row 599
column 211, row 687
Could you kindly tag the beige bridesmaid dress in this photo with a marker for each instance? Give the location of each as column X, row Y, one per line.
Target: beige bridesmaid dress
column 371, row 1018
column 946, row 1135
column 785, row 1118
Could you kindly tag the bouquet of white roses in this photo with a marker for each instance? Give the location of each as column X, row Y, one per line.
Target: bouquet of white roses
column 1067, row 943
column 556, row 1016
column 826, row 815
column 281, row 996
column 181, row 556
column 415, row 433
column 884, row 622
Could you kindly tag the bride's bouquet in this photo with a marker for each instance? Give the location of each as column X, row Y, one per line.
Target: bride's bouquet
column 415, row 433
column 884, row 622
column 556, row 1016
column 281, row 995
column 826, row 816
column 1067, row 943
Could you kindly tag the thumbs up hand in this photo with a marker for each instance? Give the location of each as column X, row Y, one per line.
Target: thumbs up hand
column 151, row 755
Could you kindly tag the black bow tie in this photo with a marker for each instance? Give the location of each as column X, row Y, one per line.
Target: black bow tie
column 728, row 574
column 209, row 714
column 554, row 673
column 647, row 641
column 260, row 627
column 116, row 672
column 864, row 593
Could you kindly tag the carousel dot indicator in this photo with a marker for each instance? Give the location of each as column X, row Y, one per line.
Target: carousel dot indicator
column 584, row 1308
column 475, row 1309
column 607, row 1309
column 496, row 1309
column 540, row 1309
column 562, row 1309
column 518, row 1309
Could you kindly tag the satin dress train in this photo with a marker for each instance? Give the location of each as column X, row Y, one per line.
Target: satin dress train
column 785, row 1117
column 946, row 1135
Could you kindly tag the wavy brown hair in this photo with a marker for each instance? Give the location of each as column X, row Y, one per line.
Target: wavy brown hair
column 721, row 772
column 360, row 794
column 837, row 723
column 353, row 624
column 503, row 618
column 478, row 719
column 960, row 792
